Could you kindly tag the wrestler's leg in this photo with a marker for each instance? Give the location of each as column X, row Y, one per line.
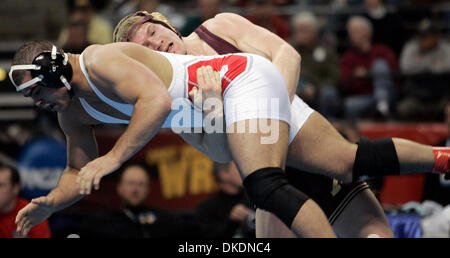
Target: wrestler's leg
column 363, row 217
column 268, row 225
column 319, row 148
column 251, row 155
column 413, row 157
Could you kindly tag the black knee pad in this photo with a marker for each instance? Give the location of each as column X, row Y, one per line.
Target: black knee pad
column 375, row 158
column 269, row 190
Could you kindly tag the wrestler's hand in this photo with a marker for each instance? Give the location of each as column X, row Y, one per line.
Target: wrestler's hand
column 209, row 87
column 35, row 212
column 91, row 174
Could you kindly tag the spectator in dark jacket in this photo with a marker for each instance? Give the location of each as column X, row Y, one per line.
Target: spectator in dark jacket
column 425, row 62
column 135, row 219
column 227, row 213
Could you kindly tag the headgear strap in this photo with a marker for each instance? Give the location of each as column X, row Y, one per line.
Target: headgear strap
column 146, row 18
column 48, row 68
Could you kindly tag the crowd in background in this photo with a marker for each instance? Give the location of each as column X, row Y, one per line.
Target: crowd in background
column 361, row 60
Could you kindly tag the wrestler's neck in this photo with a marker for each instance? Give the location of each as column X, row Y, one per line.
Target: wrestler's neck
column 196, row 46
column 78, row 83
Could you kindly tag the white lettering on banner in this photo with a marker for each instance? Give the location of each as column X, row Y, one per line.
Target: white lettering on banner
column 40, row 178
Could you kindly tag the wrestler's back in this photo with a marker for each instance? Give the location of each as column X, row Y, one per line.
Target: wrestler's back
column 151, row 59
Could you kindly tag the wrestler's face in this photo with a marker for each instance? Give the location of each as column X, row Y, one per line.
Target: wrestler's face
column 51, row 99
column 159, row 38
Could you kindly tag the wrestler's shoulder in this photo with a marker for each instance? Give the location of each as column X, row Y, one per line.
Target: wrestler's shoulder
column 225, row 25
column 96, row 50
column 97, row 55
column 90, row 54
column 224, row 19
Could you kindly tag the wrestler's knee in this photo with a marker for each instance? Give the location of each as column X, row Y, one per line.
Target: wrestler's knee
column 375, row 158
column 269, row 189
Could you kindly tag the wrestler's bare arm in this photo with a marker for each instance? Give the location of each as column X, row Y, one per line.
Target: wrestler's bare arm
column 250, row 38
column 81, row 148
column 110, row 68
column 138, row 85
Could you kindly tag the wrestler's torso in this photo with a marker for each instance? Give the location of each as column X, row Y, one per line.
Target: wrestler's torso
column 178, row 72
column 157, row 63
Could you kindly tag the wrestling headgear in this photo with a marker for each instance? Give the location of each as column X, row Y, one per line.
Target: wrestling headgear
column 48, row 69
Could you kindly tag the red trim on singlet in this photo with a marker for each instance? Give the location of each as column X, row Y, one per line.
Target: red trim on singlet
column 220, row 45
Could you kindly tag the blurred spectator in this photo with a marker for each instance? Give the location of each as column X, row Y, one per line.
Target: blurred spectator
column 99, row 30
column 386, row 25
column 366, row 72
column 77, row 39
column 227, row 213
column 425, row 61
column 262, row 13
column 207, row 9
column 239, row 3
column 135, row 219
column 11, row 203
column 12, row 137
column 283, row 2
column 436, row 187
column 122, row 8
column 26, row 20
column 319, row 69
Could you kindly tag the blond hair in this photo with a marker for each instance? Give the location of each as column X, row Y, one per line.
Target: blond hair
column 123, row 31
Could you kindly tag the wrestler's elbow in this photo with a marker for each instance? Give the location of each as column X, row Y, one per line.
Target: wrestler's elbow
column 161, row 102
column 165, row 103
column 295, row 55
column 290, row 52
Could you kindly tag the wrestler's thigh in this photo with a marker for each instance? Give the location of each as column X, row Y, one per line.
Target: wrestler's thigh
column 255, row 149
column 319, row 148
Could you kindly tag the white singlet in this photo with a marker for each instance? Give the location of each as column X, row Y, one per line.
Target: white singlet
column 252, row 87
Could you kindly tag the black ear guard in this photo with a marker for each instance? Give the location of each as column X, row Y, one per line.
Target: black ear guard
column 48, row 69
column 52, row 69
